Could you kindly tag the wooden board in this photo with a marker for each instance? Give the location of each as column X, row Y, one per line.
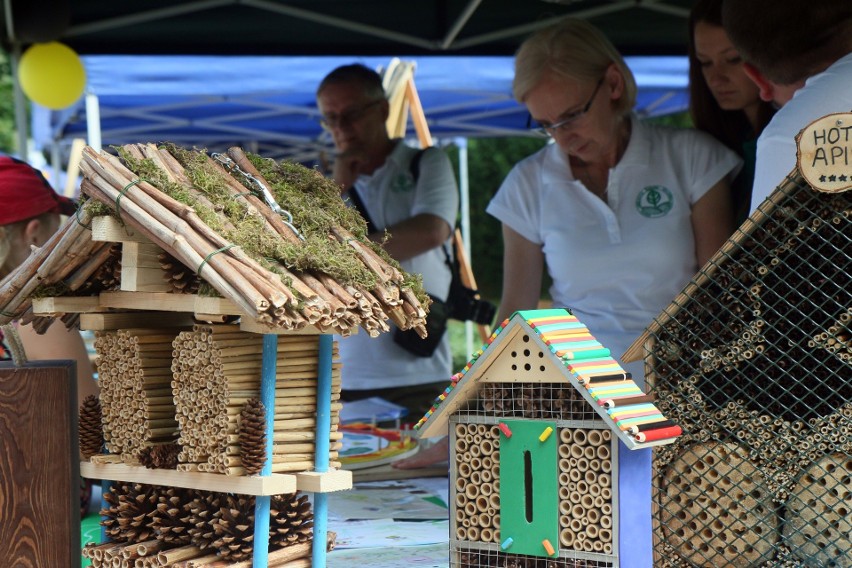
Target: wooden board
column 245, row 485
column 67, row 305
column 39, row 475
column 125, row 320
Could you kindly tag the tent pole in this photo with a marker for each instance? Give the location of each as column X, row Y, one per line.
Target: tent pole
column 93, row 121
column 464, row 194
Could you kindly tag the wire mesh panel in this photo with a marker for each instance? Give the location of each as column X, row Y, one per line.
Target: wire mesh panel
column 587, row 495
column 753, row 361
column 548, row 401
column 472, row 558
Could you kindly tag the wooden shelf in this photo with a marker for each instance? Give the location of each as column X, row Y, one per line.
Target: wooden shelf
column 328, row 482
column 274, row 484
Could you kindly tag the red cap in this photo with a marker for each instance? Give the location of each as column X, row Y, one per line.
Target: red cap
column 24, row 193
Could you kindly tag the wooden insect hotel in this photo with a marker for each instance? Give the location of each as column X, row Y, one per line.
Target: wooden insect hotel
column 213, row 285
column 754, row 361
column 534, row 420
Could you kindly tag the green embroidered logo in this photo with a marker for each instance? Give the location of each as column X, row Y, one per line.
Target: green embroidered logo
column 654, row 201
column 402, row 183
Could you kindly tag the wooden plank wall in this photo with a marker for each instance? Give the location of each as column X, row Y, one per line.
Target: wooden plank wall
column 39, row 466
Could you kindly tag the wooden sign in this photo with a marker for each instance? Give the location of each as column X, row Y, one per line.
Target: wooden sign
column 825, row 153
column 39, row 465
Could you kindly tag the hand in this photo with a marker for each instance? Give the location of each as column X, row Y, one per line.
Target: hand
column 347, row 167
column 436, row 453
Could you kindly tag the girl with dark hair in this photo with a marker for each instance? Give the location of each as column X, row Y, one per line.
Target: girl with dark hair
column 723, row 101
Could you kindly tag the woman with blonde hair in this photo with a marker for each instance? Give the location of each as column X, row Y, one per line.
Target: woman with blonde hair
column 620, row 212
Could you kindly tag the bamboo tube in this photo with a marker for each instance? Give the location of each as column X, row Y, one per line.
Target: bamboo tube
column 494, row 501
column 461, row 533
column 470, row 508
column 177, row 554
column 461, row 500
column 566, row 538
column 471, row 491
column 486, row 534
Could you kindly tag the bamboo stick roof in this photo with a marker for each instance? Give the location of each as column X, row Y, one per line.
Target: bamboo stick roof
column 553, row 346
column 274, row 239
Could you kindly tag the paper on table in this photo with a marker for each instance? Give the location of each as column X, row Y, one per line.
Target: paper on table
column 405, row 502
column 427, row 556
column 371, row 409
column 388, row 532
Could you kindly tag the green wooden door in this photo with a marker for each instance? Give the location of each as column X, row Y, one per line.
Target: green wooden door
column 529, row 488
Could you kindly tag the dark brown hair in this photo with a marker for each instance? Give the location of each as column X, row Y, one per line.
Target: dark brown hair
column 731, row 127
column 789, row 40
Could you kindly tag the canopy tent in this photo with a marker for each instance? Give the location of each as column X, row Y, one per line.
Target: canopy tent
column 267, row 104
column 333, row 27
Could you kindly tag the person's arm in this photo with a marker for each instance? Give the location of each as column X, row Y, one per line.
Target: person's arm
column 347, row 167
column 414, row 236
column 61, row 343
column 523, row 265
column 712, row 221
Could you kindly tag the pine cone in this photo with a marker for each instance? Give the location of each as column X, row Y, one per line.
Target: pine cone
column 90, row 427
column 252, row 436
column 108, row 274
column 291, row 520
column 183, row 280
column 202, row 511
column 128, row 516
column 172, row 520
column 233, row 526
column 162, row 456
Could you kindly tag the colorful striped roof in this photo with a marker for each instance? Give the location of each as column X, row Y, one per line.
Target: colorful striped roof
column 620, row 401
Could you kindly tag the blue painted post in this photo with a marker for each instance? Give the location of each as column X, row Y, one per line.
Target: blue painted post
column 106, row 485
column 326, row 343
column 260, row 557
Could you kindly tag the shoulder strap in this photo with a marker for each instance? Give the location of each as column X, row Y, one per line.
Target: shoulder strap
column 414, row 165
column 358, row 204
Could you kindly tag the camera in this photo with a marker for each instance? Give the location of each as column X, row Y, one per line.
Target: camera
column 464, row 305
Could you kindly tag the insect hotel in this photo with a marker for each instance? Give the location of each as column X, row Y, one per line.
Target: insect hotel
column 754, row 361
column 213, row 284
column 534, row 420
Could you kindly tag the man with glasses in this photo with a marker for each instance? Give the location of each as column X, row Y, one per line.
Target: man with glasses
column 415, row 205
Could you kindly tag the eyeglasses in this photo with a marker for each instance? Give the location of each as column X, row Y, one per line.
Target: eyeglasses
column 329, row 121
column 550, row 129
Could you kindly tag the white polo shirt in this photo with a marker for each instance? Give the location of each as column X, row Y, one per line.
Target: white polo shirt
column 616, row 265
column 824, row 93
column 390, row 195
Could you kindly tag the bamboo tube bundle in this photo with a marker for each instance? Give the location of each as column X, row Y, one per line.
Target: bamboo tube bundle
column 135, row 380
column 586, row 489
column 311, row 266
column 730, row 486
column 477, row 492
column 217, row 371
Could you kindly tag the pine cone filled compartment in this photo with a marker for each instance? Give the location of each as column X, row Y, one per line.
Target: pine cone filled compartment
column 253, row 436
column 90, row 427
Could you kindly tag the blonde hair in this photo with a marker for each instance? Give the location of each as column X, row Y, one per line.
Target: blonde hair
column 573, row 49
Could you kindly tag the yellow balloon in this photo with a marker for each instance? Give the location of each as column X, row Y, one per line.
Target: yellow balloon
column 52, row 75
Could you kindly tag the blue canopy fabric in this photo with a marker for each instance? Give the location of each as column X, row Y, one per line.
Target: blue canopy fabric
column 267, row 105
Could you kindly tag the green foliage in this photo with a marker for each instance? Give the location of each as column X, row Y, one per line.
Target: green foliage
column 7, row 106
column 489, row 161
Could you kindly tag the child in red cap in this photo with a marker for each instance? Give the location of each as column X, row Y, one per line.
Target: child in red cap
column 29, row 214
